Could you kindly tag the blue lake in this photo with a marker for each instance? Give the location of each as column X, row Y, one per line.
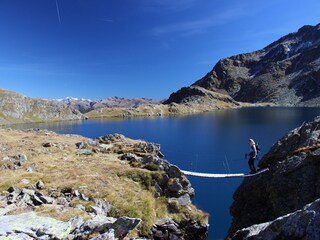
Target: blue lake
column 214, row 142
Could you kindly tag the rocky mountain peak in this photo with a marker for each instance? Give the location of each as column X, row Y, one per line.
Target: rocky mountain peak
column 284, row 72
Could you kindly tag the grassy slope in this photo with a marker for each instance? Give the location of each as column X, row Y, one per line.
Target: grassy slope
column 101, row 175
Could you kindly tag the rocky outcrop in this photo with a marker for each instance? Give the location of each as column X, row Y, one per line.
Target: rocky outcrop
column 292, row 183
column 302, row 224
column 286, row 72
column 99, row 188
column 200, row 95
column 172, row 183
column 16, row 108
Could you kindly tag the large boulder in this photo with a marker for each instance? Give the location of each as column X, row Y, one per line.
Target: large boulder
column 34, row 226
column 302, row 224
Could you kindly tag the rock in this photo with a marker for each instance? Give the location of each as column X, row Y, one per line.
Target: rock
column 34, row 226
column 83, row 197
column 129, row 157
column 106, row 146
column 102, row 207
column 99, row 224
column 62, row 201
column 159, row 192
column 81, row 145
column 123, row 225
column 47, row 144
column 25, row 181
column 40, row 185
column 92, row 142
column 76, row 193
column 175, row 189
column 106, row 236
column 166, row 229
column 183, row 200
column 7, row 209
column 84, row 152
column 22, row 157
column 193, row 229
column 302, row 224
column 163, row 180
column 174, row 172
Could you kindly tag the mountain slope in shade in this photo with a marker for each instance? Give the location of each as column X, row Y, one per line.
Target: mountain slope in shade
column 16, row 108
column 286, row 72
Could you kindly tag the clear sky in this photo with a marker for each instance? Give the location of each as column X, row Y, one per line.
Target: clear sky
column 132, row 48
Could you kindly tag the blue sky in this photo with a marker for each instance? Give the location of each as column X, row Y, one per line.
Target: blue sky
column 132, row 48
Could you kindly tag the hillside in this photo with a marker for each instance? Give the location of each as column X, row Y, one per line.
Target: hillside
column 86, row 105
column 283, row 203
column 286, row 72
column 16, row 108
column 56, row 186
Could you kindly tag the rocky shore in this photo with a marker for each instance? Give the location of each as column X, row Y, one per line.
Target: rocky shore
column 69, row 187
column 283, row 203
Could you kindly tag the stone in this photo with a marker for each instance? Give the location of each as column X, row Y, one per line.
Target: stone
column 174, row 187
column 84, row 197
column 92, row 143
column 106, row 236
column 22, row 157
column 98, row 224
column 106, row 146
column 62, row 201
column 302, row 224
column 174, row 172
column 102, row 207
column 47, row 144
column 84, row 152
column 32, row 225
column 183, row 200
column 129, row 157
column 7, row 209
column 40, row 185
column 80, row 145
column 158, row 191
column 25, row 181
column 123, row 225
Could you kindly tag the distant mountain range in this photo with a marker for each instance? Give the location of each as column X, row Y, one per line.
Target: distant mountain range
column 286, row 72
column 16, row 108
column 87, row 105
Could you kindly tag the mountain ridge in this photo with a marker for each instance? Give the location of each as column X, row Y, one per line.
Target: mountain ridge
column 17, row 108
column 285, row 72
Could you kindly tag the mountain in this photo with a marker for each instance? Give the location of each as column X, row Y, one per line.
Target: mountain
column 286, row 72
column 283, row 203
column 16, row 108
column 87, row 105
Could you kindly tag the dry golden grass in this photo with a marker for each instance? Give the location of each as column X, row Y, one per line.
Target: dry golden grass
column 306, row 149
column 101, row 175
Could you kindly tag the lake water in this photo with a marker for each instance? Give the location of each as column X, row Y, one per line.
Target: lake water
column 214, row 142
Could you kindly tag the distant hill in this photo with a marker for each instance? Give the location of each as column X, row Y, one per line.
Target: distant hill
column 286, row 72
column 16, row 108
column 86, row 105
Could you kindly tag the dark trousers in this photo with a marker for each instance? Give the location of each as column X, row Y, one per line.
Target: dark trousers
column 251, row 165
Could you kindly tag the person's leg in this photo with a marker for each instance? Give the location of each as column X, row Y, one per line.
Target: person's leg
column 251, row 165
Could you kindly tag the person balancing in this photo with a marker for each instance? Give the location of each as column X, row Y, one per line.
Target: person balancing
column 254, row 149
